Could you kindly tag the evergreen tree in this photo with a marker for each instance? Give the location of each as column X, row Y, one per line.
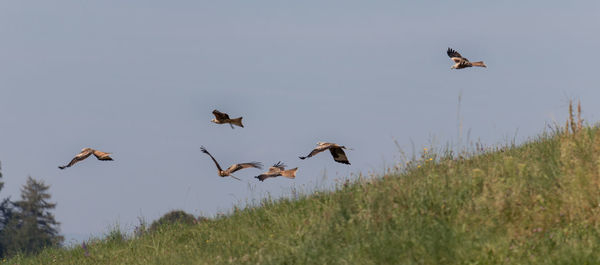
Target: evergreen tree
column 32, row 226
column 6, row 214
column 3, row 207
column 1, row 183
column 4, row 217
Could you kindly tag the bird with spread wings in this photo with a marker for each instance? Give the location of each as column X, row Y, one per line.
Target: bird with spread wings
column 222, row 118
column 85, row 153
column 336, row 151
column 278, row 170
column 461, row 62
column 232, row 168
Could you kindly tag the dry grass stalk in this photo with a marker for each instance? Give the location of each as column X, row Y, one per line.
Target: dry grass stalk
column 574, row 125
column 579, row 119
column 572, row 118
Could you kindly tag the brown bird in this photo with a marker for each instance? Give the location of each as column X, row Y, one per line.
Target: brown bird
column 85, row 153
column 232, row 168
column 221, row 118
column 276, row 171
column 336, row 151
column 461, row 62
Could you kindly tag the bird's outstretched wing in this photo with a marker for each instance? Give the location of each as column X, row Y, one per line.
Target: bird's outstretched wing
column 455, row 56
column 214, row 160
column 276, row 172
column 463, row 64
column 220, row 115
column 81, row 156
column 236, row 167
column 317, row 150
column 339, row 155
column 279, row 166
column 262, row 177
column 102, row 155
column 452, row 53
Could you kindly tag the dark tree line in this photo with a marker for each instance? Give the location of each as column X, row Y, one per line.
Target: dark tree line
column 27, row 225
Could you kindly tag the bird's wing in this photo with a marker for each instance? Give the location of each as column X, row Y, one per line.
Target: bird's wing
column 220, row 115
column 236, row 167
column 269, row 175
column 262, row 177
column 463, row 64
column 273, row 170
column 455, row 56
column 279, row 166
column 214, row 160
column 317, row 150
column 339, row 155
column 452, row 53
column 102, row 155
column 81, row 156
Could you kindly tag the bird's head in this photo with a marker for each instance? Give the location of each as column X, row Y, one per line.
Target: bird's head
column 453, row 67
column 214, row 120
column 320, row 143
column 86, row 149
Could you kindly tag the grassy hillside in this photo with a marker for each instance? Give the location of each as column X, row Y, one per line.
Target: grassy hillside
column 534, row 203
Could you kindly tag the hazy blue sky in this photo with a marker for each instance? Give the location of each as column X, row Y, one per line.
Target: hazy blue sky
column 140, row 79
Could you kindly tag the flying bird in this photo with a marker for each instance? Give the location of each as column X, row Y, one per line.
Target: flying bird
column 336, row 151
column 232, row 168
column 85, row 153
column 222, row 118
column 461, row 62
column 276, row 171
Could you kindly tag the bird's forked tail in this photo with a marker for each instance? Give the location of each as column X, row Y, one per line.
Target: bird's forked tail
column 480, row 64
column 237, row 122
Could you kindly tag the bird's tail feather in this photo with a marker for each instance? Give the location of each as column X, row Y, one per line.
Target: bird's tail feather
column 290, row 173
column 237, row 122
column 480, row 64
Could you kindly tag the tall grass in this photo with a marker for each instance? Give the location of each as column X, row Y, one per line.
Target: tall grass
column 534, row 203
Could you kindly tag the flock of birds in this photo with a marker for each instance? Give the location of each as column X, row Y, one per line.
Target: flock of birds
column 278, row 169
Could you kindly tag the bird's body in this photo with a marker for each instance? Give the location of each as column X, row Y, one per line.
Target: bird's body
column 336, row 151
column 232, row 168
column 461, row 62
column 85, row 153
column 222, row 118
column 276, row 171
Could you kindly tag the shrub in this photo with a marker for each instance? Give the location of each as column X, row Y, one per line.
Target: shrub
column 173, row 217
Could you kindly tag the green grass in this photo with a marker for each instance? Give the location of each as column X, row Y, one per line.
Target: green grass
column 534, row 203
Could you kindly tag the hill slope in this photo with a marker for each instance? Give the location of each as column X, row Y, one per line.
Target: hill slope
column 538, row 202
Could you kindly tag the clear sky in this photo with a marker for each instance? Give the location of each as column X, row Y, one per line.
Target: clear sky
column 140, row 79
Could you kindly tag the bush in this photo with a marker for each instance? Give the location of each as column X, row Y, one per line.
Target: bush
column 173, row 217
